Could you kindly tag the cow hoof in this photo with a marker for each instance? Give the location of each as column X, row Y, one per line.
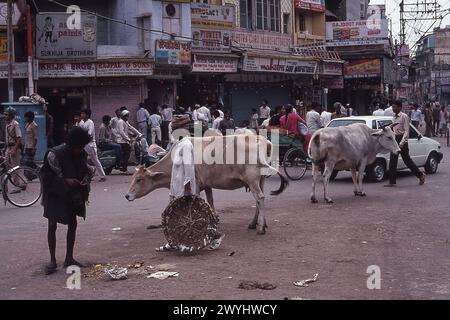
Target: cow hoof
column 329, row 201
column 261, row 232
column 314, row 200
column 362, row 194
column 356, row 193
column 252, row 227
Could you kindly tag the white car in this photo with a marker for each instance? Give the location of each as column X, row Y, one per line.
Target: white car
column 425, row 152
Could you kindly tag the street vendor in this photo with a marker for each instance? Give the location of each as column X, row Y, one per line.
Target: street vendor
column 290, row 122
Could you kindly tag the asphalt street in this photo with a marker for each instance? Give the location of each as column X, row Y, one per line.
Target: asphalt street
column 404, row 231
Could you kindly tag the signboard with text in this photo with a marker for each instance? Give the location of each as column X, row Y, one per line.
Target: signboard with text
column 310, row 5
column 212, row 16
column 54, row 39
column 3, row 49
column 354, row 33
column 20, row 70
column 331, row 69
column 214, row 64
column 66, row 70
column 262, row 40
column 171, row 52
column 279, row 65
column 130, row 69
column 211, row 40
column 369, row 68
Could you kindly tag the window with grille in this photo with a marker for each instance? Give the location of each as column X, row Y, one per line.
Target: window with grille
column 286, row 17
column 302, row 22
column 267, row 15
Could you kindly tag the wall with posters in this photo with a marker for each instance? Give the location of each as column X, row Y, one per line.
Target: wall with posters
column 353, row 33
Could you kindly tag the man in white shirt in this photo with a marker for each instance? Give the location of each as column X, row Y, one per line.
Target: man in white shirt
column 123, row 130
column 326, row 117
column 143, row 117
column 91, row 149
column 416, row 116
column 313, row 119
column 218, row 119
column 264, row 112
column 389, row 112
column 203, row 114
column 155, row 128
column 379, row 111
column 347, row 111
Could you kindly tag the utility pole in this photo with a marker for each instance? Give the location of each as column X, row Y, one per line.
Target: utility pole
column 10, row 51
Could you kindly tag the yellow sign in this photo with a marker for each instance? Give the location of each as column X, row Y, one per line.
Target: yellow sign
column 3, row 49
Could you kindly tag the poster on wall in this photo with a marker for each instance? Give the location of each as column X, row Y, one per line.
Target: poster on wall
column 354, row 33
column 368, row 68
column 54, row 39
column 171, row 52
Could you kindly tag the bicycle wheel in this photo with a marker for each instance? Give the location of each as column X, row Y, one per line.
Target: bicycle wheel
column 22, row 187
column 295, row 164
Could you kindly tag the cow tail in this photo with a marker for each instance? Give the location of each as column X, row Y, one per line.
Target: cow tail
column 283, row 186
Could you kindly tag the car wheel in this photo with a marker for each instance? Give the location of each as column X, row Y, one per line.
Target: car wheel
column 432, row 164
column 377, row 171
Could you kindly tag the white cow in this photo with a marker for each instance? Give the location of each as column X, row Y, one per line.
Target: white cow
column 352, row 147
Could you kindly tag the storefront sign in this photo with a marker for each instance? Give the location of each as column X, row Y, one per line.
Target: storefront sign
column 170, row 52
column 363, row 69
column 118, row 69
column 20, row 70
column 3, row 49
column 214, row 64
column 212, row 16
column 262, row 40
column 66, row 70
column 212, row 40
column 311, row 5
column 279, row 65
column 334, row 83
column 54, row 40
column 331, row 69
column 355, row 33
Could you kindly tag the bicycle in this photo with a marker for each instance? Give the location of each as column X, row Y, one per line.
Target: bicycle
column 21, row 186
column 295, row 163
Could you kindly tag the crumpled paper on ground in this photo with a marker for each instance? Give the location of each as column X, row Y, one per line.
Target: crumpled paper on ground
column 117, row 273
column 304, row 283
column 163, row 275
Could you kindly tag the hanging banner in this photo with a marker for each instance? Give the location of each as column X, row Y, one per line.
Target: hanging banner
column 129, row 69
column 369, row 68
column 212, row 16
column 171, row 52
column 214, row 64
column 279, row 65
column 54, row 39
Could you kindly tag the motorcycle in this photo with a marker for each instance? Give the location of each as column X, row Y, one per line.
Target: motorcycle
column 109, row 161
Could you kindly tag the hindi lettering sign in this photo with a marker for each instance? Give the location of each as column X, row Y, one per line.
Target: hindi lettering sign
column 212, row 16
column 331, row 69
column 54, row 40
column 171, row 52
column 214, row 64
column 357, row 33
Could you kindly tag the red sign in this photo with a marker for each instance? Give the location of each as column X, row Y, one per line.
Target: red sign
column 311, row 5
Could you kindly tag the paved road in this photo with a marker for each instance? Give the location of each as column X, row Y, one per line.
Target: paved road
column 405, row 231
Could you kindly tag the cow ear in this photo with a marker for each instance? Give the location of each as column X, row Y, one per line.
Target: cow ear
column 156, row 174
column 377, row 133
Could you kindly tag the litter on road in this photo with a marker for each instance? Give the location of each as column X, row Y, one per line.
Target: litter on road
column 163, row 275
column 253, row 285
column 304, row 283
column 116, row 229
column 117, row 273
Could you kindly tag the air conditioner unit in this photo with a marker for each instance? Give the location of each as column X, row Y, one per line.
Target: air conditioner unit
column 171, row 10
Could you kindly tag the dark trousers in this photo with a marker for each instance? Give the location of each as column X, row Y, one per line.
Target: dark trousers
column 406, row 159
column 415, row 124
column 126, row 151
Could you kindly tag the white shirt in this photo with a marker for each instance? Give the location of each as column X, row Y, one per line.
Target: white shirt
column 264, row 112
column 142, row 116
column 89, row 126
column 123, row 131
column 216, row 123
column 155, row 120
column 389, row 112
column 326, row 117
column 378, row 112
column 167, row 114
column 221, row 114
column 313, row 121
column 416, row 115
column 203, row 114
